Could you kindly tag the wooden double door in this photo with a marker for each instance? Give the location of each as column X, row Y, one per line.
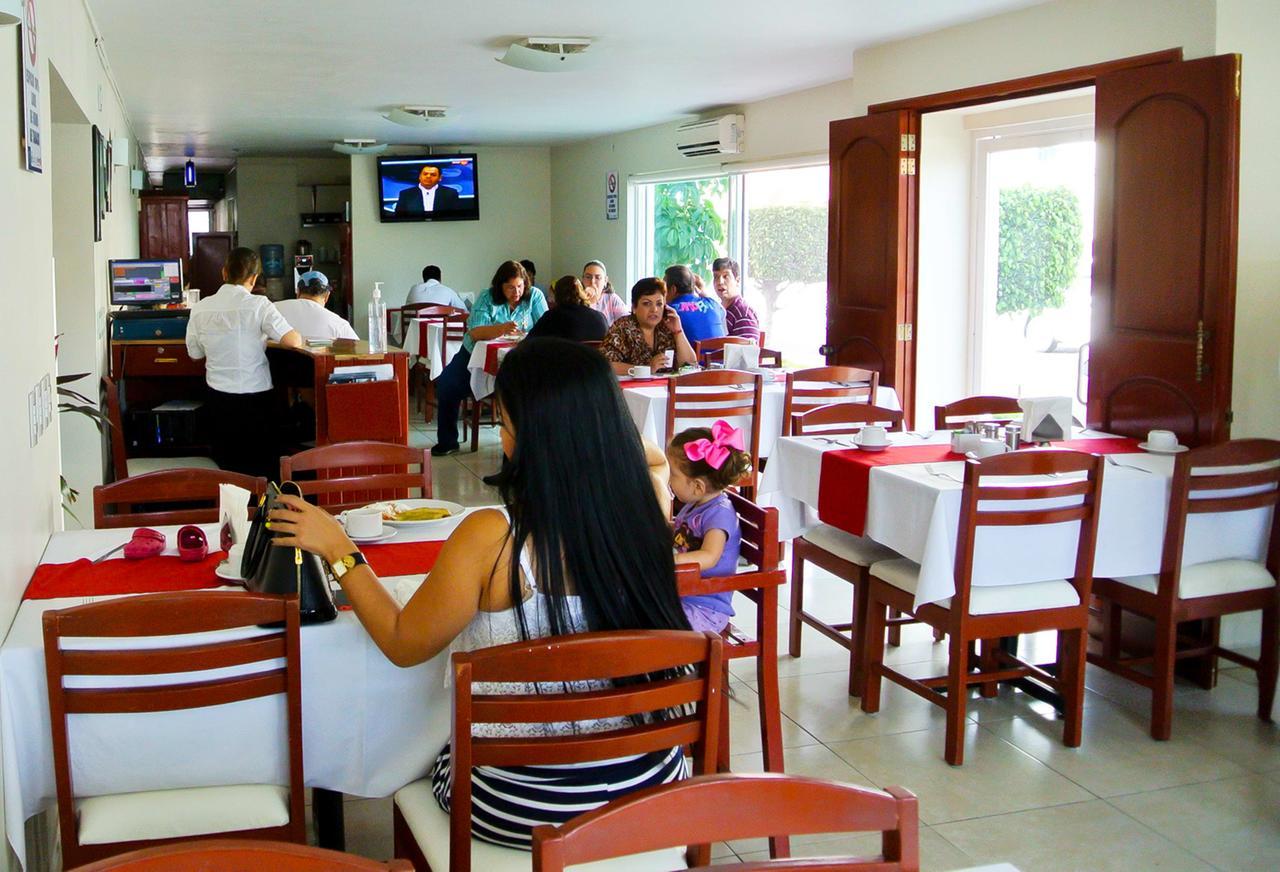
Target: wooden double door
column 1167, row 138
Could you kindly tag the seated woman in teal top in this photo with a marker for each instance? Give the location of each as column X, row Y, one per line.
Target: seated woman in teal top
column 510, row 305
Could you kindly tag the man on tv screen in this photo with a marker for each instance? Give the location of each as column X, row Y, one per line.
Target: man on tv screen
column 428, row 195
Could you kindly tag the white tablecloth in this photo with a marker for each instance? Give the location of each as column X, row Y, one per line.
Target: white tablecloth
column 428, row 355
column 915, row 510
column 369, row 727
column 648, row 407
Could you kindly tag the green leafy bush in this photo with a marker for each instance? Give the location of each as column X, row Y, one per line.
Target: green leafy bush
column 687, row 226
column 1039, row 249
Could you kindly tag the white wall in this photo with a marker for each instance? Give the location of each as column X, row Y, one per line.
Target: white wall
column 515, row 214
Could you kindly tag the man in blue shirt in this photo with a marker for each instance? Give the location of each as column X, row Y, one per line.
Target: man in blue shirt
column 701, row 317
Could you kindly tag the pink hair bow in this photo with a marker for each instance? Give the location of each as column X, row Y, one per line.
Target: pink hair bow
column 715, row 451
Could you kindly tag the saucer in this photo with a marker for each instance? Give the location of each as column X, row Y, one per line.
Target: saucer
column 1177, row 449
column 880, row 447
column 224, row 571
column 369, row 540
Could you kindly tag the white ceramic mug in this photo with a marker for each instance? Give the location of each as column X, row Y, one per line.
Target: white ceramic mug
column 640, row 371
column 963, row 443
column 1162, row 440
column 669, row 358
column 235, row 556
column 990, row 448
column 873, row 434
column 363, row 523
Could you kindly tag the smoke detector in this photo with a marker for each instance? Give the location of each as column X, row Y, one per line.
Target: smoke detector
column 548, row 54
column 359, row 146
column 415, row 116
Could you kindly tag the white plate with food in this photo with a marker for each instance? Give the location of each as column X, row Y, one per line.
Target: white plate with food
column 416, row 513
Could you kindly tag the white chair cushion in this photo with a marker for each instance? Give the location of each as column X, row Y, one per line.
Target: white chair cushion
column 985, row 600
column 430, row 826
column 140, row 465
column 168, row 814
column 1210, row 579
column 858, row 550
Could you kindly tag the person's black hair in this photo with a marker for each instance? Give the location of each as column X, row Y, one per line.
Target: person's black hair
column 241, row 265
column 529, row 268
column 726, row 263
column 679, row 278
column 647, row 288
column 429, row 272
column 567, row 291
column 578, row 491
column 509, row 269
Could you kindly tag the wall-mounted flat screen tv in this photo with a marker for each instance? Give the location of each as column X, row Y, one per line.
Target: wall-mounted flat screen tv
column 436, row 187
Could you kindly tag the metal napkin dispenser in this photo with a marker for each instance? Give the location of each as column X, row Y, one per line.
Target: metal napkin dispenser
column 285, row 571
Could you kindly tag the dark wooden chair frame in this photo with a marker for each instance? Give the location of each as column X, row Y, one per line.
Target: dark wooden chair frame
column 964, row 630
column 830, row 394
column 171, row 614
column 741, row 395
column 698, row 695
column 203, row 856
column 838, row 418
column 454, row 323
column 167, row 488
column 709, row 351
column 1000, row 410
column 353, row 474
column 725, row 807
column 1212, row 472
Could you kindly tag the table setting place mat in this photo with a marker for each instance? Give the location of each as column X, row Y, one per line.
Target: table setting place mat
column 845, row 474
column 116, row 577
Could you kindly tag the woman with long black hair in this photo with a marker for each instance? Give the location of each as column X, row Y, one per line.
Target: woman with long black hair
column 559, row 558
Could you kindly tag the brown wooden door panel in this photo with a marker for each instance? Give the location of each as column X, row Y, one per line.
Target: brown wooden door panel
column 1165, row 248
column 869, row 254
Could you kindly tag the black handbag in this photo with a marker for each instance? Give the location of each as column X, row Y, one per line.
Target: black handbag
column 285, row 571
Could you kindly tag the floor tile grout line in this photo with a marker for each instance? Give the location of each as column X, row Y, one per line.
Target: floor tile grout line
column 1156, row 832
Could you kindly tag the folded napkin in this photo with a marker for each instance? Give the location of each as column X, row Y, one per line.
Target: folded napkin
column 741, row 356
column 233, row 502
column 1046, row 419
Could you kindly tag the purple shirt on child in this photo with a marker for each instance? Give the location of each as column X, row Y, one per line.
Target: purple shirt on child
column 692, row 524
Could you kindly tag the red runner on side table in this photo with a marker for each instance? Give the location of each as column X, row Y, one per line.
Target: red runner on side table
column 844, row 476
column 491, row 355
column 651, row 382
column 117, row 576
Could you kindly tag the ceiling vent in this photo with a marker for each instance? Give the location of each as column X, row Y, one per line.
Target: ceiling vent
column 548, row 54
column 415, row 116
column 721, row 135
column 359, row 146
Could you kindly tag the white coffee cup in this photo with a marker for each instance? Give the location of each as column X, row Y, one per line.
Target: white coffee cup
column 1162, row 440
column 963, row 443
column 640, row 371
column 873, row 434
column 235, row 556
column 363, row 523
column 990, row 448
column 669, row 358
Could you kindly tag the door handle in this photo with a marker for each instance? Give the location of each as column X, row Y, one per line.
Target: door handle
column 1082, row 361
column 165, row 360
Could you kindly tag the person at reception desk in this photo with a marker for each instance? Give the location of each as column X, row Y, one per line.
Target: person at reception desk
column 307, row 314
column 229, row 331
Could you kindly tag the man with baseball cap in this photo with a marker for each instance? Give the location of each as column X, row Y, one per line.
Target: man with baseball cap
column 308, row 315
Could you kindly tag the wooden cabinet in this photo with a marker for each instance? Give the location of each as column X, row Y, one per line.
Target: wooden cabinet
column 153, row 358
column 162, row 229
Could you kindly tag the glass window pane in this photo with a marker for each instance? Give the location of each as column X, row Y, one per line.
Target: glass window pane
column 690, row 224
column 197, row 222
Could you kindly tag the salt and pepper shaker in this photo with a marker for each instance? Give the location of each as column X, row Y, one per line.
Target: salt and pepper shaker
column 1013, row 436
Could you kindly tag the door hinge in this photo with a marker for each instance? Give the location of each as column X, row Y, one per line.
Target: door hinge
column 905, row 332
column 907, row 166
column 908, row 142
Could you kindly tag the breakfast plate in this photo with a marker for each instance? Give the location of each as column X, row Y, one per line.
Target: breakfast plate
column 1151, row 449
column 394, row 512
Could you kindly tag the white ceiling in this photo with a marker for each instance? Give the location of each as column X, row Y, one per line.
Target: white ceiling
column 291, row 76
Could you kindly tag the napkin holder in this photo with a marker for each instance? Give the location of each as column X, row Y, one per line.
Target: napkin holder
column 1046, row 419
column 286, row 571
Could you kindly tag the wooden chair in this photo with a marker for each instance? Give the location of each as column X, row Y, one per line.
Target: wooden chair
column 691, row 405
column 990, row 613
column 826, row 385
column 348, row 475
column 1237, row 476
column 709, row 351
column 100, row 826
column 171, row 496
column 724, row 807
column 998, row 410
column 839, row 418
column 122, row 466
column 216, row 854
column 454, row 322
column 433, row 839
column 403, row 315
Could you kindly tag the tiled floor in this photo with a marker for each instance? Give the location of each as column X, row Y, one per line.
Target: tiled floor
column 1207, row 799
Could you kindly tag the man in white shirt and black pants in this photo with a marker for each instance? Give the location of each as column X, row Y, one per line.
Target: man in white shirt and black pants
column 229, row 330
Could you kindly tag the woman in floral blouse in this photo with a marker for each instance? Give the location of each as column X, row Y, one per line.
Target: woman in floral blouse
column 652, row 328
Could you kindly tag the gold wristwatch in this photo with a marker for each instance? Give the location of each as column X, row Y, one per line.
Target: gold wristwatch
column 342, row 565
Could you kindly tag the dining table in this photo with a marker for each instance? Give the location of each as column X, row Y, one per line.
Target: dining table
column 369, row 727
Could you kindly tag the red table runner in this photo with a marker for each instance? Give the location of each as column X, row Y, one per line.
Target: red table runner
column 651, row 381
column 491, row 355
column 160, row 574
column 844, row 476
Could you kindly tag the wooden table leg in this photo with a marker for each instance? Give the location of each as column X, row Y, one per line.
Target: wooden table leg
column 770, row 703
column 326, row 811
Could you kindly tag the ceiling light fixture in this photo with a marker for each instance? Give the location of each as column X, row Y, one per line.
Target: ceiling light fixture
column 359, row 146
column 548, row 54
column 415, row 116
column 189, row 174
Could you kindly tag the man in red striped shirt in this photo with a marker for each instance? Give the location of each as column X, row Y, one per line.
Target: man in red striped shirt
column 739, row 318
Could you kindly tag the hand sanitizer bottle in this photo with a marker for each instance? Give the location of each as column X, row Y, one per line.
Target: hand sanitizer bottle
column 377, row 321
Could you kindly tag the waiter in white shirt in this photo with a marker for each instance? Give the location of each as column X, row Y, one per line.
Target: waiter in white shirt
column 431, row 291
column 307, row 314
column 229, row 330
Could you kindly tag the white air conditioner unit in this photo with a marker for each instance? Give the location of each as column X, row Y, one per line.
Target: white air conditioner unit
column 721, row 135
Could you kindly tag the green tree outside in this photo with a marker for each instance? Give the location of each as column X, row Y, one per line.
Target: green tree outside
column 688, row 225
column 787, row 245
column 1039, row 249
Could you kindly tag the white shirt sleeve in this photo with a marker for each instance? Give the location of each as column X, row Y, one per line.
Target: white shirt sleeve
column 274, row 325
column 195, row 349
column 344, row 329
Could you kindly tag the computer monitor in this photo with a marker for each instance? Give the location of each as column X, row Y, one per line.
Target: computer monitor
column 145, row 282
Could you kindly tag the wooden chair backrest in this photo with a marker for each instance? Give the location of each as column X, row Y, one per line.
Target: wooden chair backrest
column 740, row 396
column 1080, row 486
column 204, row 856
column 708, row 350
column 406, row 314
column 1237, row 476
column 843, row 418
column 825, row 385
column 185, row 496
column 690, row 702
column 760, row 547
column 999, row 410
column 739, row 806
column 172, row 614
column 115, row 430
column 347, row 475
